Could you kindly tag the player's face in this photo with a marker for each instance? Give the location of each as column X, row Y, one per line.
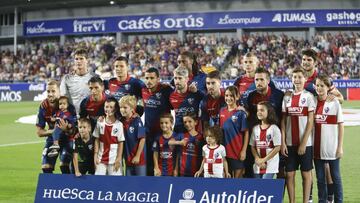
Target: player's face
column 298, row 80
column 180, row 82
column 307, row 63
column 229, row 98
column 250, row 64
column 121, row 68
column 261, row 81
column 210, row 140
column 109, row 108
column 63, row 104
column 126, row 110
column 189, row 123
column 52, row 93
column 151, row 80
column 166, row 124
column 262, row 112
column 213, row 86
column 185, row 61
column 84, row 130
column 321, row 88
column 81, row 64
column 96, row 89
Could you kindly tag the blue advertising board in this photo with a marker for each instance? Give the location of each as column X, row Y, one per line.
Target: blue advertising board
column 196, row 21
column 68, row 188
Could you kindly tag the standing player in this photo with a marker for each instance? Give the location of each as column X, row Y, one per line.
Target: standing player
column 236, row 133
column 296, row 129
column 156, row 102
column 214, row 162
column 182, row 100
column 214, row 100
column 74, row 85
column 109, row 142
column 265, row 142
column 123, row 84
column 93, row 105
column 46, row 110
column 134, row 137
column 328, row 140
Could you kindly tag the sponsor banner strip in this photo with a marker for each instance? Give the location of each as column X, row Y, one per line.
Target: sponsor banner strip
column 196, row 21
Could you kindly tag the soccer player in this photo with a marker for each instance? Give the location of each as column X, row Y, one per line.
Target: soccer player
column 236, row 133
column 46, row 110
column 66, row 112
column 265, row 142
column 328, row 140
column 123, row 84
column 134, row 137
column 296, row 129
column 109, row 142
column 74, row 85
column 213, row 101
column 156, row 102
column 214, row 164
column 93, row 105
column 83, row 155
column 165, row 156
column 182, row 99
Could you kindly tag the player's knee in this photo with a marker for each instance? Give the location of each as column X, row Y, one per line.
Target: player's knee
column 65, row 169
column 47, row 170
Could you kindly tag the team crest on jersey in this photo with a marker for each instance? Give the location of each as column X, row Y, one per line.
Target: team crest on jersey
column 115, row 130
column 127, row 86
column 190, row 101
column 268, row 137
column 131, row 129
column 234, row 118
column 158, row 95
column 107, row 91
column 327, row 109
column 216, row 155
column 90, row 146
column 303, row 100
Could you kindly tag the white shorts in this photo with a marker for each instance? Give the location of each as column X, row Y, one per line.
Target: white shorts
column 108, row 169
column 206, row 175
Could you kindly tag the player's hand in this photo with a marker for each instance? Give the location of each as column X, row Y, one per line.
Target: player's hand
column 242, row 156
column 287, row 93
column 227, row 174
column 184, row 141
column 135, row 160
column 242, row 108
column 117, row 165
column 192, row 87
column 176, row 174
column 284, row 150
column 339, row 152
column 96, row 160
column 77, row 173
column 197, row 174
column 259, row 161
column 101, row 118
column 301, row 150
column 330, row 97
column 157, row 172
column 63, row 125
column 263, row 166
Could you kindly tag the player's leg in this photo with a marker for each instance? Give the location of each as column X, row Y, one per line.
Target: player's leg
column 291, row 165
column 290, row 184
column 336, row 177
column 65, row 155
column 47, row 163
column 112, row 172
column 101, row 169
column 329, row 184
column 320, row 177
column 54, row 149
column 306, row 167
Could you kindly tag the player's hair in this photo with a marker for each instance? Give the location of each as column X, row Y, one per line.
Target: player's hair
column 195, row 66
column 215, row 74
column 96, row 79
column 64, row 98
column 214, row 131
column 250, row 54
column 310, row 52
column 121, row 58
column 85, row 120
column 128, row 100
column 167, row 115
column 191, row 115
column 53, row 82
column 81, row 51
column 181, row 71
column 117, row 107
column 233, row 90
column 263, row 70
column 271, row 117
column 298, row 70
column 325, row 79
column 153, row 70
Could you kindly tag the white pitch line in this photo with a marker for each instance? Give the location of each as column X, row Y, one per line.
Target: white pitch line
column 20, row 143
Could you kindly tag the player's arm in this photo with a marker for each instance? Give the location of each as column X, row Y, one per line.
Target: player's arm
column 245, row 144
column 119, row 156
column 136, row 159
column 284, row 150
column 96, row 151
column 63, row 87
column 176, row 168
column 226, row 168
column 76, row 164
column 307, row 133
column 201, row 169
column 335, row 93
column 254, row 153
column 339, row 150
column 157, row 171
column 41, row 132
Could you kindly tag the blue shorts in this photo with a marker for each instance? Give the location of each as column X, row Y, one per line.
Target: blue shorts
column 65, row 152
column 294, row 159
column 235, row 164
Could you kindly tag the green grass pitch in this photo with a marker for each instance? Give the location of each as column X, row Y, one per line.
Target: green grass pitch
column 20, row 164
